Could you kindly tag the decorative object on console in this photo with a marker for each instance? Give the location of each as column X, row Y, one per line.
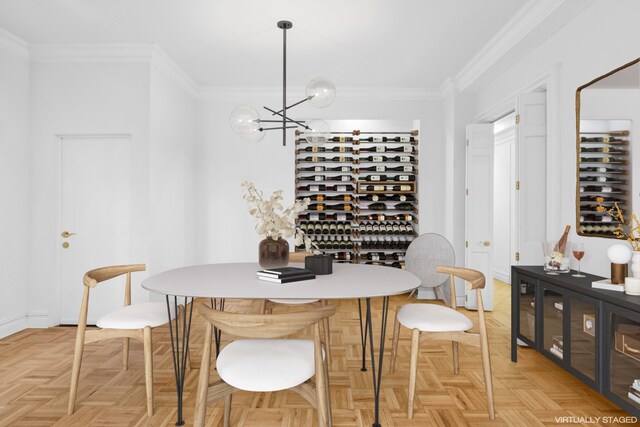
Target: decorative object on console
column 320, row 93
column 275, row 223
column 630, row 231
column 319, row 264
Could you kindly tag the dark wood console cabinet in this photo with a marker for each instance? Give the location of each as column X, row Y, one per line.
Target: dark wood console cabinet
column 592, row 333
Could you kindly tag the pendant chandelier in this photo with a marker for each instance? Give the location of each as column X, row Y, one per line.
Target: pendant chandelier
column 320, row 93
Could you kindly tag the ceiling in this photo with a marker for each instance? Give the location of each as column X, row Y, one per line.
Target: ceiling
column 222, row 43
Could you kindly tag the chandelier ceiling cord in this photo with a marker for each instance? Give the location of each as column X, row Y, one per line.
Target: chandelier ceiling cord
column 320, row 93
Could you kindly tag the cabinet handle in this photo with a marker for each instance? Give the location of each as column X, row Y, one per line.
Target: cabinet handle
column 630, row 349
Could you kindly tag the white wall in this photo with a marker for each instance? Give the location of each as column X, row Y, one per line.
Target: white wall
column 172, row 174
column 81, row 98
column 583, row 54
column 225, row 161
column 14, row 190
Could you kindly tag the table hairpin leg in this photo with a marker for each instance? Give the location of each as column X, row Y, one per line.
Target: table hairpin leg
column 216, row 332
column 377, row 379
column 363, row 336
column 180, row 345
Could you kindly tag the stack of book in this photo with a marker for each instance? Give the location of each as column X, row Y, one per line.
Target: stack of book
column 634, row 391
column 285, row 274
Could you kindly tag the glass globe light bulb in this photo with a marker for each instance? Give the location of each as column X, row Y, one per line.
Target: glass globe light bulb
column 619, row 254
column 245, row 120
column 320, row 92
column 318, row 132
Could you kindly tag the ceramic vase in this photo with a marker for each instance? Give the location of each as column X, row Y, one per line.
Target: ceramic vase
column 635, row 264
column 273, row 253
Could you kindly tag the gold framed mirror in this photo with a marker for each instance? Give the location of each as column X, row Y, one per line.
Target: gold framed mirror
column 607, row 148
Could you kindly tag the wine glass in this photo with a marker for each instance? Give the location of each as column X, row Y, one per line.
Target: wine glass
column 578, row 253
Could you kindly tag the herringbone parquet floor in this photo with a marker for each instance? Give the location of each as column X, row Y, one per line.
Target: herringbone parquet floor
column 35, row 370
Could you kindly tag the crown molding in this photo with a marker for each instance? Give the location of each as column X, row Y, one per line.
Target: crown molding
column 521, row 24
column 448, row 87
column 169, row 68
column 360, row 93
column 129, row 52
column 14, row 44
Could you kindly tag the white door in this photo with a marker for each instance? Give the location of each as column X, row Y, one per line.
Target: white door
column 531, row 152
column 479, row 209
column 96, row 209
column 504, row 205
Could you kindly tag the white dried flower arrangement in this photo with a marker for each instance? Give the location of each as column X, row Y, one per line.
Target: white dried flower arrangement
column 273, row 219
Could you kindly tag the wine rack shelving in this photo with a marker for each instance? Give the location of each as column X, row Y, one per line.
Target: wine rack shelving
column 604, row 179
column 363, row 191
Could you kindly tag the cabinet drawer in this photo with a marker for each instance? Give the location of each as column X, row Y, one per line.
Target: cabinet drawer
column 628, row 343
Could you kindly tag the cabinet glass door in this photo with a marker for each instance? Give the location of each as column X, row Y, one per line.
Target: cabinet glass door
column 552, row 309
column 624, row 361
column 583, row 337
column 527, row 310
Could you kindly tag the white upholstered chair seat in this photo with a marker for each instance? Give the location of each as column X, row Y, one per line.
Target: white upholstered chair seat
column 433, row 318
column 294, row 301
column 136, row 316
column 266, row 365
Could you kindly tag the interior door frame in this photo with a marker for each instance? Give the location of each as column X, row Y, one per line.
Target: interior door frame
column 56, row 300
column 549, row 81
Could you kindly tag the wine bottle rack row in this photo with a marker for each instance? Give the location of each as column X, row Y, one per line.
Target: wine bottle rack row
column 363, row 191
column 604, row 162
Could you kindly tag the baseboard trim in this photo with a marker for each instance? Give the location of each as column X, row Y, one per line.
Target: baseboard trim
column 11, row 325
column 502, row 276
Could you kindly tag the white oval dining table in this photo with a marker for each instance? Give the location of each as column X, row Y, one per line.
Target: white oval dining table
column 239, row 280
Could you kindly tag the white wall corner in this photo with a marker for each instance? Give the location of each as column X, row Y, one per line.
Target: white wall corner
column 448, row 88
column 521, row 24
column 126, row 52
column 14, row 44
column 169, row 68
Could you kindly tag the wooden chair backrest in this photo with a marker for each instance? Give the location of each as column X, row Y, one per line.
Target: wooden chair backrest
column 263, row 325
column 298, row 256
column 475, row 280
column 98, row 275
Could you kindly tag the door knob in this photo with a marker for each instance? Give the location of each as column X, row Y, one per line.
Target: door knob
column 66, row 234
column 65, row 245
column 486, row 243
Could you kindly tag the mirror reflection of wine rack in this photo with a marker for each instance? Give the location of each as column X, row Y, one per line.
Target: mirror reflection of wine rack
column 604, row 174
column 363, row 191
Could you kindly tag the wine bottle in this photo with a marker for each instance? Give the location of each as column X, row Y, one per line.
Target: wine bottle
column 316, row 207
column 316, row 197
column 407, row 168
column 341, row 139
column 340, row 169
column 377, row 207
column 557, row 256
column 405, row 178
column 403, row 159
column 402, row 149
column 342, row 256
column 375, row 187
column 314, row 149
column 399, row 139
column 339, row 187
column 341, row 197
column 312, row 188
column 374, row 198
column 312, row 216
column 340, row 228
column 317, row 228
column 374, row 149
column 377, row 168
column 371, row 139
column 314, row 159
column 404, row 206
column 342, row 178
column 312, row 178
column 374, row 178
column 340, row 216
column 376, row 159
column 340, row 159
column 403, row 217
column 342, row 149
column 401, row 188
column 312, row 169
column 341, row 207
column 402, row 198
column 333, row 228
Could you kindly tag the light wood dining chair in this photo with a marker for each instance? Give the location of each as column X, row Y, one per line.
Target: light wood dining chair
column 269, row 304
column 132, row 321
column 263, row 361
column 424, row 254
column 434, row 322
